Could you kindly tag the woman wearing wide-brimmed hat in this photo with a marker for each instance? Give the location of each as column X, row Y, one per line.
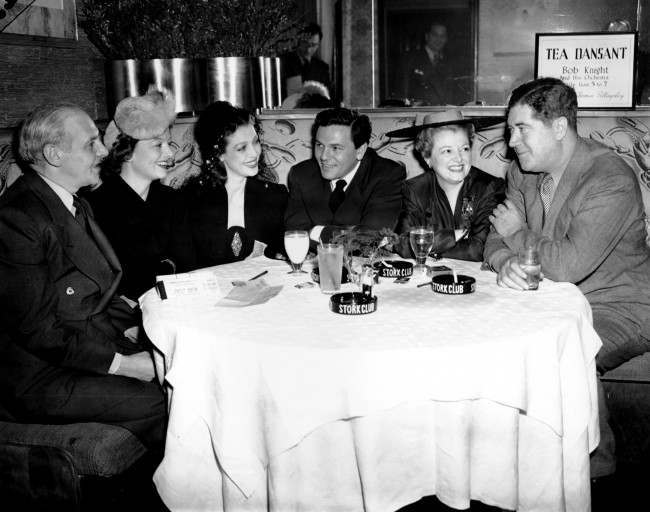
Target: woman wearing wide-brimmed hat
column 456, row 198
column 143, row 219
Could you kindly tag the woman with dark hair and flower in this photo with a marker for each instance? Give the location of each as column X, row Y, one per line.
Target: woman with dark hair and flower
column 455, row 199
column 236, row 208
column 143, row 219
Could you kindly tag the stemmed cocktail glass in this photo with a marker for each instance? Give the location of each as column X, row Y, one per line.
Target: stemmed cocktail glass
column 421, row 238
column 296, row 243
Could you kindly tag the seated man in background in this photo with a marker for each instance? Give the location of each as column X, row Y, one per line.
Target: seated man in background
column 581, row 204
column 346, row 183
column 66, row 357
column 302, row 64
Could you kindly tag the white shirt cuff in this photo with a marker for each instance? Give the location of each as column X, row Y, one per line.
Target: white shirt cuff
column 315, row 232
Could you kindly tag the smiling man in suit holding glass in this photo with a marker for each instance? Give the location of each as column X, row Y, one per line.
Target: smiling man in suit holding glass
column 581, row 204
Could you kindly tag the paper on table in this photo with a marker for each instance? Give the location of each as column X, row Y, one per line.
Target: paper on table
column 249, row 294
column 195, row 285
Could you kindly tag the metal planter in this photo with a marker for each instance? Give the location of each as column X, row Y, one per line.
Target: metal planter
column 250, row 82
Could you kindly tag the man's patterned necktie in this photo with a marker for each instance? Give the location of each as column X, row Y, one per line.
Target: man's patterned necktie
column 546, row 193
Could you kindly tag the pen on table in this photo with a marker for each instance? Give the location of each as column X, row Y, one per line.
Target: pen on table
column 258, row 275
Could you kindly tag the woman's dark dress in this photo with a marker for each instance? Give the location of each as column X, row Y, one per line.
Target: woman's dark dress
column 425, row 203
column 214, row 243
column 146, row 235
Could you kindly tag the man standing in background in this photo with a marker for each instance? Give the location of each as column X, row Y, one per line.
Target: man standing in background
column 430, row 76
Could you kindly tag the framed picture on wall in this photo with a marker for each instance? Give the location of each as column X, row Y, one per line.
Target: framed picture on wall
column 600, row 66
column 43, row 18
column 427, row 52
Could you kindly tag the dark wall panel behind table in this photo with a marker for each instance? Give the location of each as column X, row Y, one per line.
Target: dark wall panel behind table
column 34, row 71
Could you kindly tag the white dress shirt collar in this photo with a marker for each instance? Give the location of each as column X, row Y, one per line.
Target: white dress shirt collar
column 64, row 195
column 348, row 177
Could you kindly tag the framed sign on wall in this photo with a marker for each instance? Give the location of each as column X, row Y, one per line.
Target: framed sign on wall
column 600, row 66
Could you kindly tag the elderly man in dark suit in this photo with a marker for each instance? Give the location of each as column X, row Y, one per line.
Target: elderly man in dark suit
column 346, row 183
column 71, row 352
column 581, row 204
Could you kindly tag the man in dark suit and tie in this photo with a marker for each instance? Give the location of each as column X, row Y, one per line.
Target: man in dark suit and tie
column 71, row 353
column 346, row 183
column 303, row 65
column 433, row 75
column 581, row 204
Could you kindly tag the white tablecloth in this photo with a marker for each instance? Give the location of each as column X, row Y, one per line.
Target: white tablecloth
column 287, row 406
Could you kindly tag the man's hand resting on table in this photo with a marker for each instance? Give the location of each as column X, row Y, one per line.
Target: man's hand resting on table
column 138, row 365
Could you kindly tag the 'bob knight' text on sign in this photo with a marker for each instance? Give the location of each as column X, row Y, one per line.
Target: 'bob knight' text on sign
column 600, row 67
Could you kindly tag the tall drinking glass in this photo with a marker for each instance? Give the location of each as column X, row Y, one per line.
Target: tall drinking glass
column 330, row 267
column 296, row 243
column 421, row 238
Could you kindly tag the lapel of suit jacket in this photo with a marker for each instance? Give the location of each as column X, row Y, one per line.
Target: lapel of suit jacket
column 217, row 205
column 535, row 207
column 317, row 199
column 354, row 194
column 253, row 217
column 76, row 243
column 577, row 165
column 100, row 239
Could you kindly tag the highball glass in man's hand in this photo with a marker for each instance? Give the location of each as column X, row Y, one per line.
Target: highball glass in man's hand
column 330, row 267
column 528, row 259
column 296, row 243
column 421, row 238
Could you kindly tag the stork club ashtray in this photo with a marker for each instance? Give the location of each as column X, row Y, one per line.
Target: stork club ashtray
column 445, row 284
column 394, row 268
column 353, row 303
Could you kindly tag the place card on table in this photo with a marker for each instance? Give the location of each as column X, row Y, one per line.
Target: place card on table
column 189, row 285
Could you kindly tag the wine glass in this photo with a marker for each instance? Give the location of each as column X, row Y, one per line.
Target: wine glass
column 296, row 243
column 421, row 238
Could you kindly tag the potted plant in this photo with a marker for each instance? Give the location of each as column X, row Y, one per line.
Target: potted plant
column 222, row 49
column 364, row 247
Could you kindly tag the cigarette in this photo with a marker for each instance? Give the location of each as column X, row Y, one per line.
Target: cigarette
column 258, row 275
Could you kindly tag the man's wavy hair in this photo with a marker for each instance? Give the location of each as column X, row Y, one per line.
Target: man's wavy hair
column 212, row 131
column 44, row 125
column 359, row 124
column 549, row 98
